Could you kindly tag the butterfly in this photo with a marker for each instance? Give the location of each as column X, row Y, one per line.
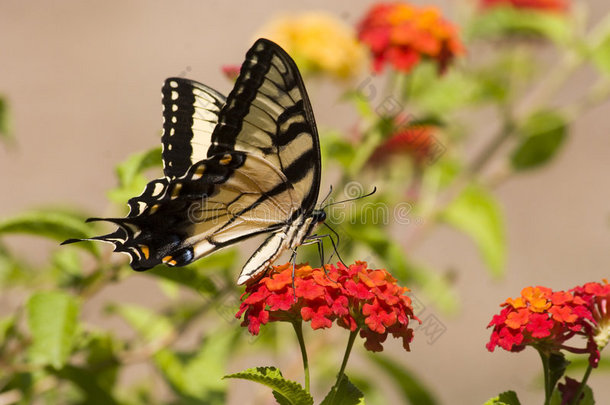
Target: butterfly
column 234, row 167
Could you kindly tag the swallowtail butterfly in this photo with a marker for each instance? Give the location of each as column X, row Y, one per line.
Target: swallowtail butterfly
column 234, row 167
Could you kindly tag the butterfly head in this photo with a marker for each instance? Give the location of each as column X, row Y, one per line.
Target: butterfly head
column 318, row 216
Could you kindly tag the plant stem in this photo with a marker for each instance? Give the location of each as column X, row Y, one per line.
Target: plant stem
column 348, row 349
column 298, row 329
column 583, row 383
column 492, row 147
column 548, row 390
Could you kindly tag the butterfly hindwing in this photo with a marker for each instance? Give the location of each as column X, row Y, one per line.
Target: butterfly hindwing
column 190, row 114
column 220, row 201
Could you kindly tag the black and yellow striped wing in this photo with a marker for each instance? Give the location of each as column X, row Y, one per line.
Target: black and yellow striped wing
column 233, row 168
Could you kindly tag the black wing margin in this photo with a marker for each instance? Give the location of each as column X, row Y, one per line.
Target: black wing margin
column 268, row 113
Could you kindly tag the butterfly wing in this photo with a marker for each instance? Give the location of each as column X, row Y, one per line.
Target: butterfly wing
column 190, row 114
column 262, row 169
column 269, row 114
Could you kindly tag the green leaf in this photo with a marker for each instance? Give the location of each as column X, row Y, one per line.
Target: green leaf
column 88, row 382
column 601, row 55
column 505, row 398
column 197, row 276
column 184, row 370
column 477, row 213
column 130, row 174
column 438, row 96
column 148, row 324
column 360, row 99
column 543, row 135
column 413, row 390
column 5, row 123
column 7, row 327
column 136, row 164
column 509, row 21
column 345, row 393
column 336, row 148
column 289, row 392
column 54, row 224
column 52, row 318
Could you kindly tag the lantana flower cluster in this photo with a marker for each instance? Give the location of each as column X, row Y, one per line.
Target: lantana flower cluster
column 402, row 35
column 416, row 141
column 355, row 297
column 547, row 319
column 541, row 5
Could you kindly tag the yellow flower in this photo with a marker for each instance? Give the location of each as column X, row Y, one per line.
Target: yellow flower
column 318, row 42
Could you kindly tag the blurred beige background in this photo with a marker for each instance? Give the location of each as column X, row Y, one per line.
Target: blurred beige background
column 84, row 80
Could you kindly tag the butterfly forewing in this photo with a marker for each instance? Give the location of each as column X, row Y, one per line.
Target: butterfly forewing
column 268, row 113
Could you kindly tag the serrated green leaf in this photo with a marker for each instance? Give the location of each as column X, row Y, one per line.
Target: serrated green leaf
column 543, row 135
column 54, row 224
column 413, row 390
column 52, row 319
column 510, row 21
column 505, row 398
column 477, row 213
column 148, row 324
column 345, row 393
column 290, row 391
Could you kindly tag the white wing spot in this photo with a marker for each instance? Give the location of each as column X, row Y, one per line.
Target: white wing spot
column 174, row 119
column 158, row 189
column 174, row 95
column 174, row 107
column 173, row 84
column 172, row 131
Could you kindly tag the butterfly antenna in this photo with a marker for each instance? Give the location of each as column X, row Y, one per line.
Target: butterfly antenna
column 352, row 199
column 327, row 195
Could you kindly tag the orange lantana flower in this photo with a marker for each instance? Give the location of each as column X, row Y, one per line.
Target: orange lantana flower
column 402, row 34
column 355, row 297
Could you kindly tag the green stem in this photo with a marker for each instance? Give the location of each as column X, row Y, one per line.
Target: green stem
column 548, row 390
column 348, row 349
column 583, row 384
column 298, row 329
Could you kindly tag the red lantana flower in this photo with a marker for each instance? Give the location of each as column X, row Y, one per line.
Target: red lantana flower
column 416, row 141
column 545, row 320
column 402, row 34
column 355, row 297
column 543, row 5
column 597, row 297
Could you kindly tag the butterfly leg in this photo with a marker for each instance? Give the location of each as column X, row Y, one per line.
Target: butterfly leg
column 293, row 260
column 317, row 239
